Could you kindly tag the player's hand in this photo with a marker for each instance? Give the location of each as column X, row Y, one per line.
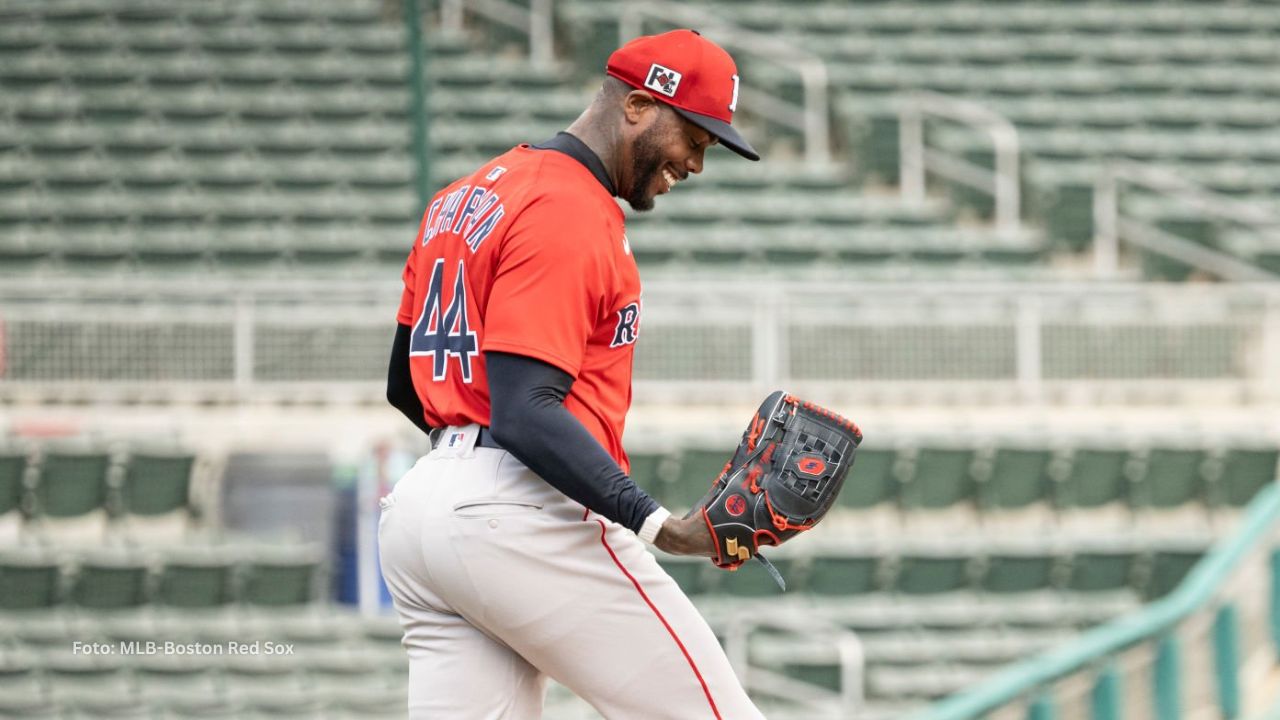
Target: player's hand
column 685, row 536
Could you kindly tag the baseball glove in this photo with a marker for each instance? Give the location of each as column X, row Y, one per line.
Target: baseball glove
column 781, row 481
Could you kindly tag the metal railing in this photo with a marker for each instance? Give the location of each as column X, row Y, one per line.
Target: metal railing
column 881, row 342
column 811, row 118
column 1193, row 653
column 1001, row 182
column 534, row 21
column 816, row 701
column 1110, row 224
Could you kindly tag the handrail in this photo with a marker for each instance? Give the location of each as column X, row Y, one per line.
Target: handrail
column 848, row 647
column 534, row 21
column 1194, row 592
column 811, row 119
column 1109, row 226
column 915, row 158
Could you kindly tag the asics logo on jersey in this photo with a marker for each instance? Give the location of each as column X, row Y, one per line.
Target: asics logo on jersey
column 628, row 327
column 663, row 80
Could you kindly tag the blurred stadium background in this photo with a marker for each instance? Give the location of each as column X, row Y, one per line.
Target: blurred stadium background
column 1030, row 246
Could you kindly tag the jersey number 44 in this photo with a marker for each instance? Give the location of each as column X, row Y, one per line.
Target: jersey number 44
column 445, row 332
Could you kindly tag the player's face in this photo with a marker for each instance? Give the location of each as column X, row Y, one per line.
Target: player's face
column 663, row 154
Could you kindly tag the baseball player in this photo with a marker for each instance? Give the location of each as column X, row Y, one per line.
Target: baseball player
column 516, row 550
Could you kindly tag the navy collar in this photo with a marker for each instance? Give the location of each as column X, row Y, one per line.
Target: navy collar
column 578, row 150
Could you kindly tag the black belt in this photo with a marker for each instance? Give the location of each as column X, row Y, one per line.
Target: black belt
column 485, row 439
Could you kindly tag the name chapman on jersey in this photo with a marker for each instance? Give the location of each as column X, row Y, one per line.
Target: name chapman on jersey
column 471, row 213
column 169, row 647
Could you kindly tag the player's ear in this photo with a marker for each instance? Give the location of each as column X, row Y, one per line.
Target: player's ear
column 638, row 106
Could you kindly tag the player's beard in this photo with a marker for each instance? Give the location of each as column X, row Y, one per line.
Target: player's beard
column 646, row 163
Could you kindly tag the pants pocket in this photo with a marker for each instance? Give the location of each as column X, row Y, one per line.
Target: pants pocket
column 494, row 507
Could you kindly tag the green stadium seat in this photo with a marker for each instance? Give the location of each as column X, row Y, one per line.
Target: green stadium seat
column 1172, row 477
column 13, row 466
column 1096, row 478
column 752, row 580
column 1019, row 478
column 694, row 575
column 648, row 471
column 1245, row 471
column 1169, row 566
column 71, row 481
column 941, row 478
column 873, row 481
column 281, row 576
column 1023, row 571
column 29, row 579
column 1103, row 570
column 699, row 467
column 110, row 581
column 195, row 578
column 931, row 573
column 19, row 679
column 156, row 482
column 844, row 573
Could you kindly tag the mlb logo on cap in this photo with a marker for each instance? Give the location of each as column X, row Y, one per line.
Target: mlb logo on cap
column 663, row 80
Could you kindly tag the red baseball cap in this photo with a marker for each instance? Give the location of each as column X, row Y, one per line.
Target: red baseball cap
column 693, row 75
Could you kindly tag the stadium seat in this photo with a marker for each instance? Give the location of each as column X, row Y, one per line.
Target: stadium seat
column 874, row 481
column 1021, row 571
column 1245, row 471
column 155, row 493
column 109, row 580
column 940, row 488
column 1171, row 480
column 752, row 580
column 195, row 578
column 1103, row 570
column 29, row 579
column 71, row 482
column 287, row 576
column 1018, row 480
column 930, row 573
column 1096, row 484
column 13, row 466
column 1169, row 566
column 692, row 574
column 844, row 572
column 699, row 467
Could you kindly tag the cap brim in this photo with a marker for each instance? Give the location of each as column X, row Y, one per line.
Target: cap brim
column 723, row 131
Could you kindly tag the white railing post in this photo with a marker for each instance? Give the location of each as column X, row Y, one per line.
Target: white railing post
column 1002, row 181
column 817, row 150
column 1029, row 341
column 534, row 21
column 1110, row 224
column 1269, row 375
column 1106, row 231
column 451, row 15
column 243, row 348
column 541, row 32
column 766, row 342
column 911, row 151
column 1008, row 183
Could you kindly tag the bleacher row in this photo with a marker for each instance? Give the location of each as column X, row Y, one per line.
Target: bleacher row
column 83, row 491
column 156, row 139
column 1187, row 87
column 318, row 663
column 1082, row 475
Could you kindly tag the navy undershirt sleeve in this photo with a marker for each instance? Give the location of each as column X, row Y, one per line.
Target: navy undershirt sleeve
column 400, row 392
column 529, row 419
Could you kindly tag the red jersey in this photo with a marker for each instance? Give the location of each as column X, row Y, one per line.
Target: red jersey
column 525, row 256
